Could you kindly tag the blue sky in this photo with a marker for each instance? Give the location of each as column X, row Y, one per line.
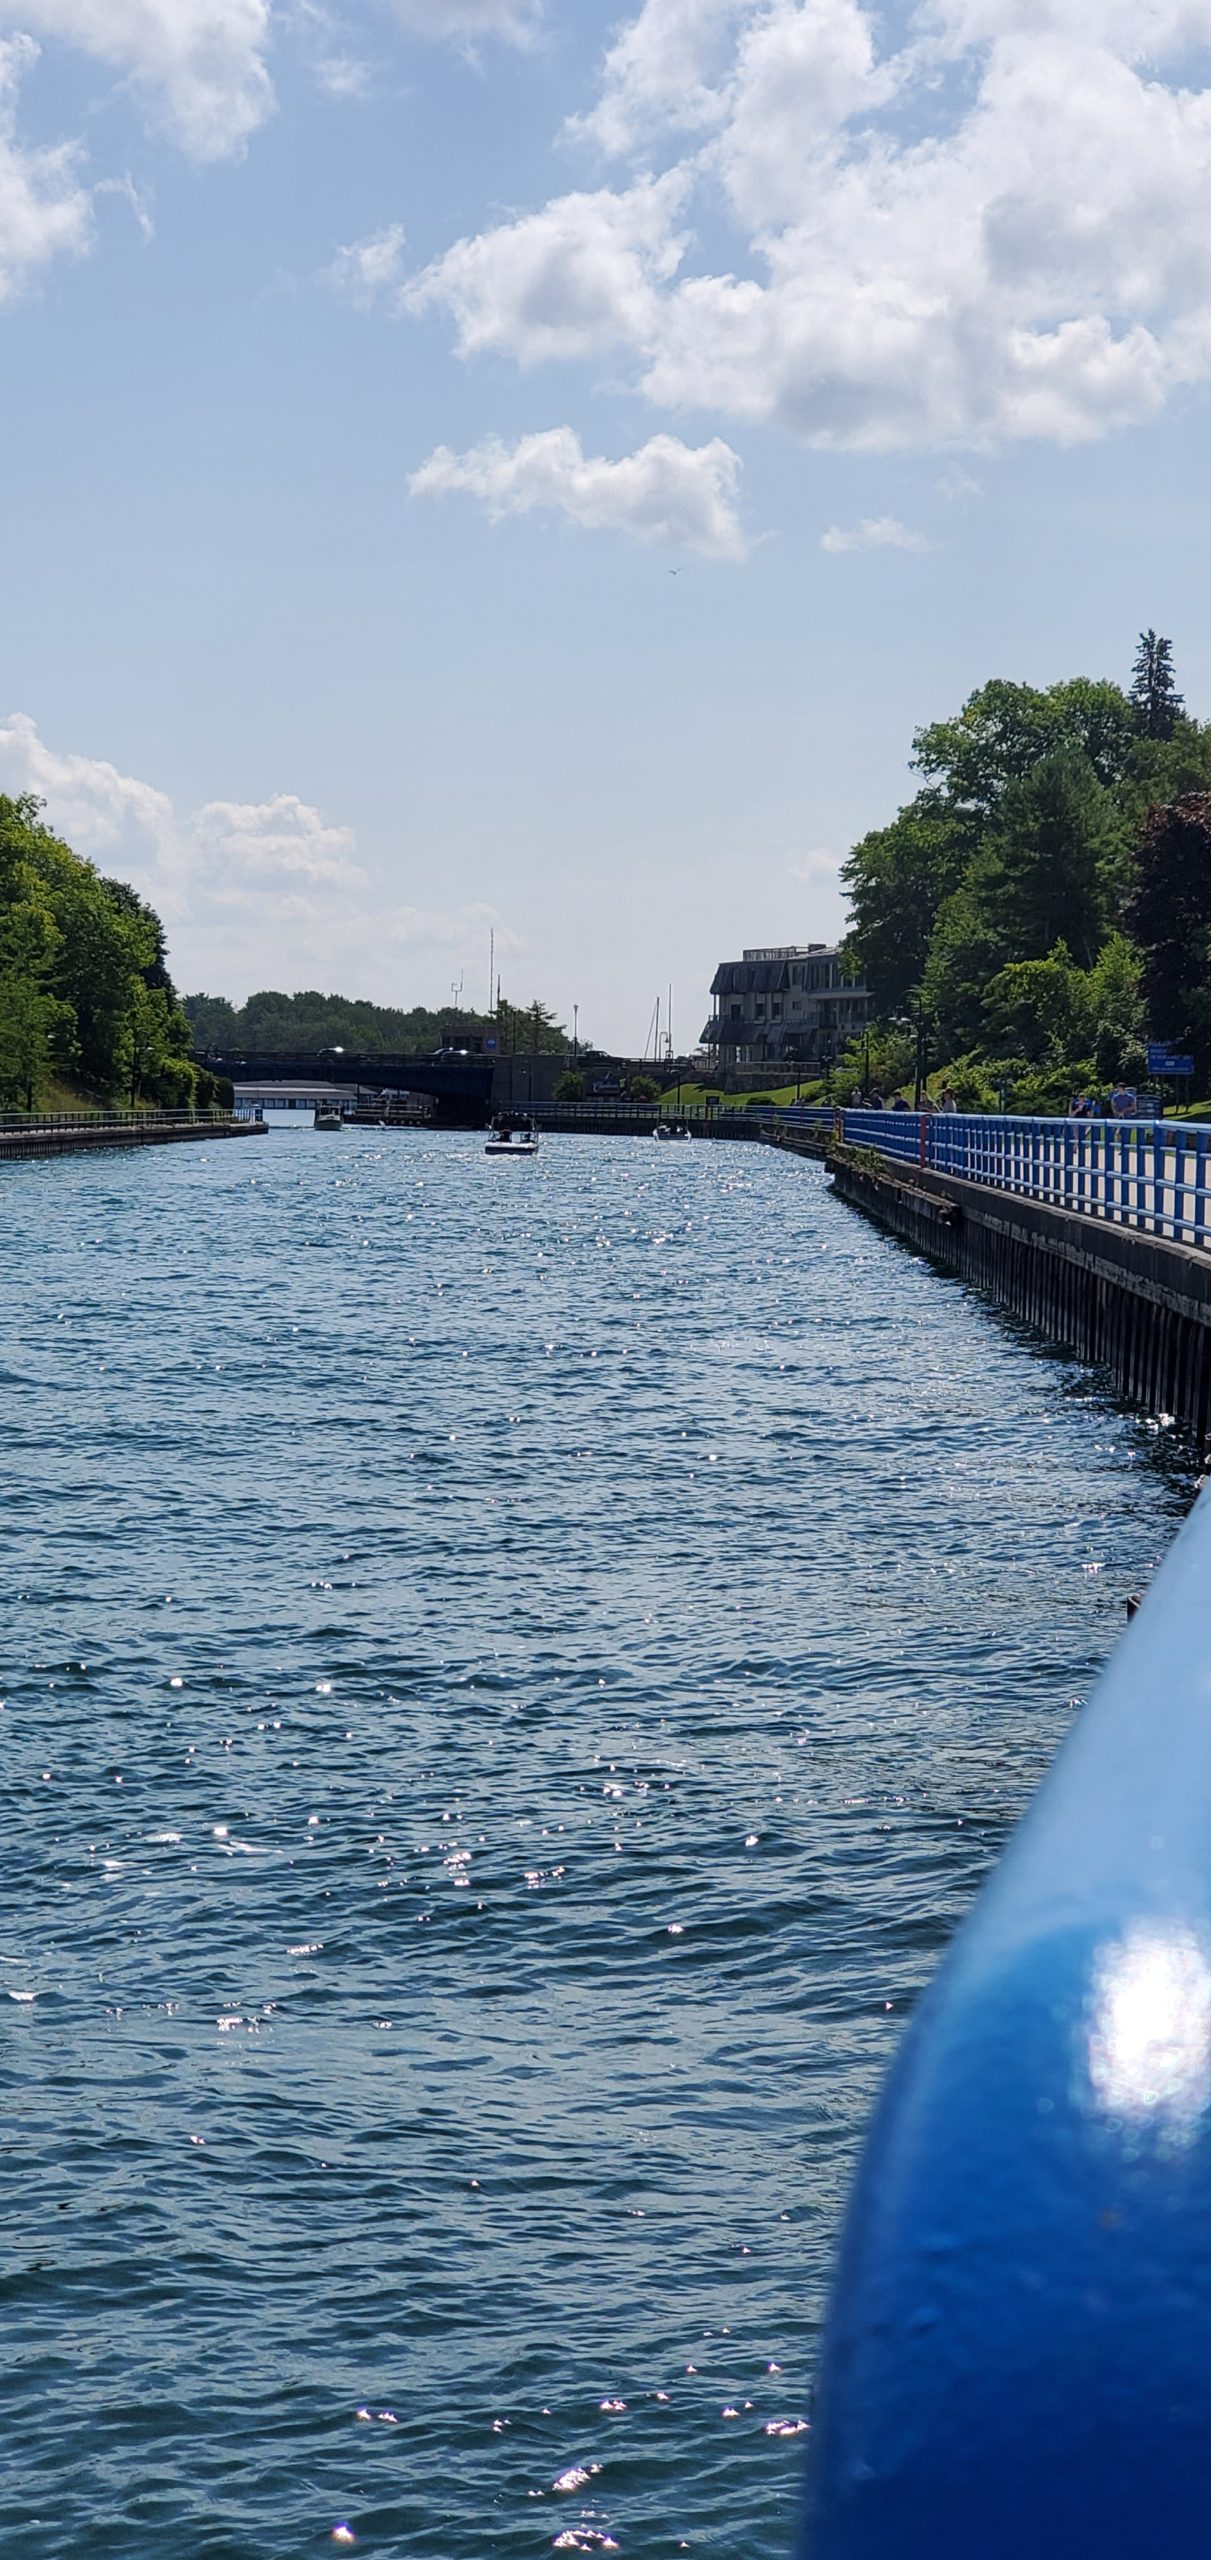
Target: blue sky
column 372, row 369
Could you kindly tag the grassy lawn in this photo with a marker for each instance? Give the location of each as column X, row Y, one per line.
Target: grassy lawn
column 691, row 1097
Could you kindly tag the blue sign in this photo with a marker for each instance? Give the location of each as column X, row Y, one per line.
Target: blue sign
column 489, row 1044
column 1164, row 1061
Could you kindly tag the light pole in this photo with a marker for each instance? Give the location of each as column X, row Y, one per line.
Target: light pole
column 575, row 1034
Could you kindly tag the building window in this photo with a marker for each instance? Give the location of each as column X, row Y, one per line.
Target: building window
column 737, row 1012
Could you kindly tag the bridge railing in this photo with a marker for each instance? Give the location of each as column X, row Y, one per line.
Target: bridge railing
column 1017, row 2351
column 1151, row 1175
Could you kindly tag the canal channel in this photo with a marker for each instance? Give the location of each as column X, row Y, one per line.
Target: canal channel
column 511, row 1674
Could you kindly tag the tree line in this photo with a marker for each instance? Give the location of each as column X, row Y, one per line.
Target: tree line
column 1041, row 907
column 85, row 994
column 307, row 1023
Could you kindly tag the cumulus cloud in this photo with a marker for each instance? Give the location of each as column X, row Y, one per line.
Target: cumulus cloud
column 990, row 224
column 278, row 837
column 665, row 71
column 666, row 492
column 261, row 893
column 229, row 845
column 45, row 213
column 199, row 66
column 873, row 533
column 582, row 276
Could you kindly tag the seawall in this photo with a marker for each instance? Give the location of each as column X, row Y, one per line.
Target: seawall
column 67, row 1136
column 1135, row 1304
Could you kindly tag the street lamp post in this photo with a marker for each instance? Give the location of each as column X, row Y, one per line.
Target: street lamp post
column 575, row 1034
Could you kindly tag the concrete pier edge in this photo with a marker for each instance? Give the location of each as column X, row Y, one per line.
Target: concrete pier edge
column 83, row 1137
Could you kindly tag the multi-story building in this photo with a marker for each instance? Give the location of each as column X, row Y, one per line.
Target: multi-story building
column 791, row 1004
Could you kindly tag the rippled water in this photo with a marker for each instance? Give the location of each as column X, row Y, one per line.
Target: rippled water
column 512, row 1672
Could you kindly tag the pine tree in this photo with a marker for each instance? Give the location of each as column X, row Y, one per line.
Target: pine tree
column 1042, row 876
column 1158, row 704
column 1170, row 920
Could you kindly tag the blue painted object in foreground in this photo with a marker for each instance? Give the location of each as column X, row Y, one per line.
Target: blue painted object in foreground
column 1017, row 2364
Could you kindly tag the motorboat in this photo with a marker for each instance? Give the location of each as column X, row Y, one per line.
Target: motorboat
column 670, row 1129
column 512, row 1142
column 328, row 1117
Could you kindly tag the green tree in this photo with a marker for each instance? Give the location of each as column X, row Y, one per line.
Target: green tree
column 30, row 1024
column 1045, row 873
column 1157, row 704
column 100, row 958
column 156, row 1040
column 308, row 1022
column 78, row 955
column 531, row 1028
column 1170, row 919
column 1040, row 1010
column 896, row 880
column 965, row 951
column 154, row 966
column 1119, row 1027
column 1004, row 729
column 213, row 1022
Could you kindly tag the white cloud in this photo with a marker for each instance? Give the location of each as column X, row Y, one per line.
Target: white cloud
column 578, row 278
column 94, row 807
column 283, row 837
column 873, row 533
column 512, row 21
column 228, row 848
column 666, row 492
column 263, row 893
column 664, row 72
column 369, row 271
column 991, row 226
column 199, row 66
column 44, row 211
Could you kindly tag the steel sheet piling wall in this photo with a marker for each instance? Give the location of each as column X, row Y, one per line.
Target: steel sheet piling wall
column 1135, row 1303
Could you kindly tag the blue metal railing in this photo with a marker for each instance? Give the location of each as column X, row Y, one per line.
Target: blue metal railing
column 1018, row 2351
column 1147, row 1174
